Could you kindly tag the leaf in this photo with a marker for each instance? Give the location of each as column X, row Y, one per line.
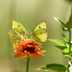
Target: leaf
column 59, row 42
column 69, row 23
column 66, row 51
column 61, row 47
column 62, row 24
column 64, row 46
column 68, row 56
column 65, row 38
column 55, row 67
column 69, row 43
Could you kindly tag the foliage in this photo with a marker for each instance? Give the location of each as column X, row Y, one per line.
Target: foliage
column 54, row 66
column 65, row 45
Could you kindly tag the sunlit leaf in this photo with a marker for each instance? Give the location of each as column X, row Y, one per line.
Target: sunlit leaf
column 66, row 52
column 55, row 67
column 68, row 56
column 59, row 42
column 62, row 24
column 63, row 45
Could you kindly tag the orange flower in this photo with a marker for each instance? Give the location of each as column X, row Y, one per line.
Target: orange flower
column 29, row 47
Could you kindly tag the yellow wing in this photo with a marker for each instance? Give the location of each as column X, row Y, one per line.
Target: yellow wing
column 18, row 27
column 40, row 32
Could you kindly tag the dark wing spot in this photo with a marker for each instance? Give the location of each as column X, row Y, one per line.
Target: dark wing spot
column 39, row 27
column 18, row 25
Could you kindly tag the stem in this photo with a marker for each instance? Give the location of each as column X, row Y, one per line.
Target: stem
column 27, row 63
column 69, row 42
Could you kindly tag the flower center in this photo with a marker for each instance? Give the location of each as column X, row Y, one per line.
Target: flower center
column 29, row 49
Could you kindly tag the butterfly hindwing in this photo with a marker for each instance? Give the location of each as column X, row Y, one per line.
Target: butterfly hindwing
column 14, row 38
column 40, row 32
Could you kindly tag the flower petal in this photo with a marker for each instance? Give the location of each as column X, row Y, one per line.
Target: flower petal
column 20, row 54
column 37, row 54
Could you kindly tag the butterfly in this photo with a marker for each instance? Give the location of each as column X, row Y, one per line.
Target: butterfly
column 39, row 33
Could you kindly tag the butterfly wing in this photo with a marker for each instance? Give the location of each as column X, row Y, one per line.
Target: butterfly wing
column 14, row 38
column 17, row 33
column 18, row 27
column 40, row 32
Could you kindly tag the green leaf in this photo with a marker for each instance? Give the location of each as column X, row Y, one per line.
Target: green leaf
column 68, row 56
column 69, row 43
column 65, row 38
column 69, row 23
column 59, row 42
column 64, row 46
column 66, row 51
column 61, row 47
column 66, row 41
column 63, row 26
column 55, row 67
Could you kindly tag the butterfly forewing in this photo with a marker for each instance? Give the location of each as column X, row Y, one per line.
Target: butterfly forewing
column 40, row 32
column 18, row 27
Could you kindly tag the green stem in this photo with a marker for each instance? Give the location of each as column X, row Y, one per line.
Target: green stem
column 69, row 42
column 27, row 64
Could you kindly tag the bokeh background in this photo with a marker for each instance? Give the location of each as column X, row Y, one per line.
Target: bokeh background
column 30, row 13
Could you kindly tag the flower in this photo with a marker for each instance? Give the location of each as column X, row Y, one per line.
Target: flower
column 28, row 47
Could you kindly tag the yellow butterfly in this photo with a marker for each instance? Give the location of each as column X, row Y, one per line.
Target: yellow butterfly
column 39, row 33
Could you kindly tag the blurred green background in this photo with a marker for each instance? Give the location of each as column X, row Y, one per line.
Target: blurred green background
column 30, row 13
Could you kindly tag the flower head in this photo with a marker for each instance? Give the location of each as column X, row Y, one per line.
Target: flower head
column 28, row 47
